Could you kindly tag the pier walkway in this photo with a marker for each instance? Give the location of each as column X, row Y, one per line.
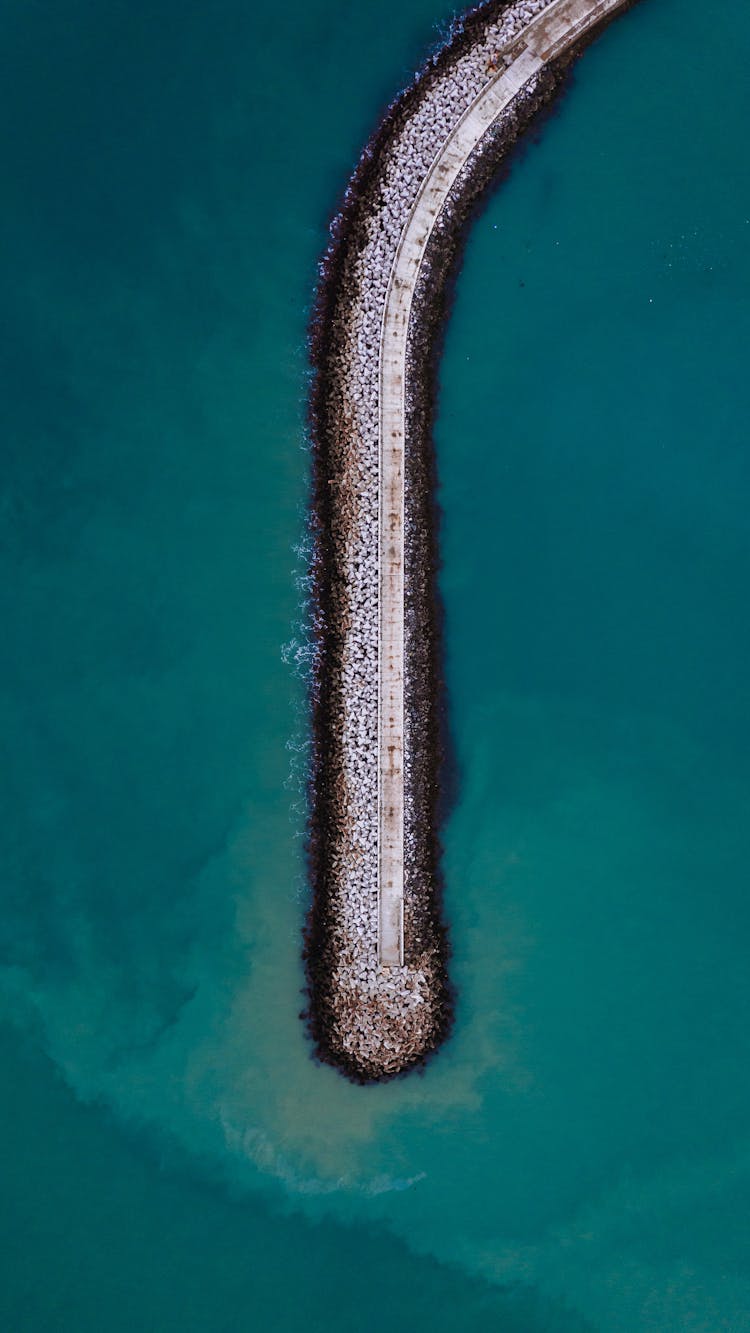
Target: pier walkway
column 562, row 24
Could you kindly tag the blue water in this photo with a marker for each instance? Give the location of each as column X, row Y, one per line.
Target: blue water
column 576, row 1159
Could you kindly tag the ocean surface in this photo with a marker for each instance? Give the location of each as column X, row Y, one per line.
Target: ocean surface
column 577, row 1158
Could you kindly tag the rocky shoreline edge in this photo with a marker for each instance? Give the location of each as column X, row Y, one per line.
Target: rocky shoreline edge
column 367, row 1022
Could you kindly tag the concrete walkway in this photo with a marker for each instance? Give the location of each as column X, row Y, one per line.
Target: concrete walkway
column 546, row 37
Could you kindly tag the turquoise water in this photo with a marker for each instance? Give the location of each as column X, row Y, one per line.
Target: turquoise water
column 577, row 1157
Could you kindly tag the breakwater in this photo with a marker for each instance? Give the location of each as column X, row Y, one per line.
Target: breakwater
column 378, row 1008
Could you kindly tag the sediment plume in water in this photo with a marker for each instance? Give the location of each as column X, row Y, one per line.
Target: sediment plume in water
column 374, row 1023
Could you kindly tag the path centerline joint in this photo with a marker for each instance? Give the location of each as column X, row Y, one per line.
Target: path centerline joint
column 548, row 34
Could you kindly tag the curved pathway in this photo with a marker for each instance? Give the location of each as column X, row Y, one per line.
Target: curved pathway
column 562, row 23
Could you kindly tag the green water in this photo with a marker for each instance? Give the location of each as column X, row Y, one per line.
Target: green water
column 577, row 1158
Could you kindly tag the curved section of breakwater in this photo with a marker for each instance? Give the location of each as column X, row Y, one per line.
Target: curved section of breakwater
column 375, row 946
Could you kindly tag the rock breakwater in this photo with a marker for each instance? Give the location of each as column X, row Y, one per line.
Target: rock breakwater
column 374, row 1022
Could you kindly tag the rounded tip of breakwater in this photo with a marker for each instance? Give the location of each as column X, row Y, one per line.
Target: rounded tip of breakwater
column 369, row 1022
column 367, row 1039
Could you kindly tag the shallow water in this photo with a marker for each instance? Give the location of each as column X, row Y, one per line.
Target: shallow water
column 577, row 1157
